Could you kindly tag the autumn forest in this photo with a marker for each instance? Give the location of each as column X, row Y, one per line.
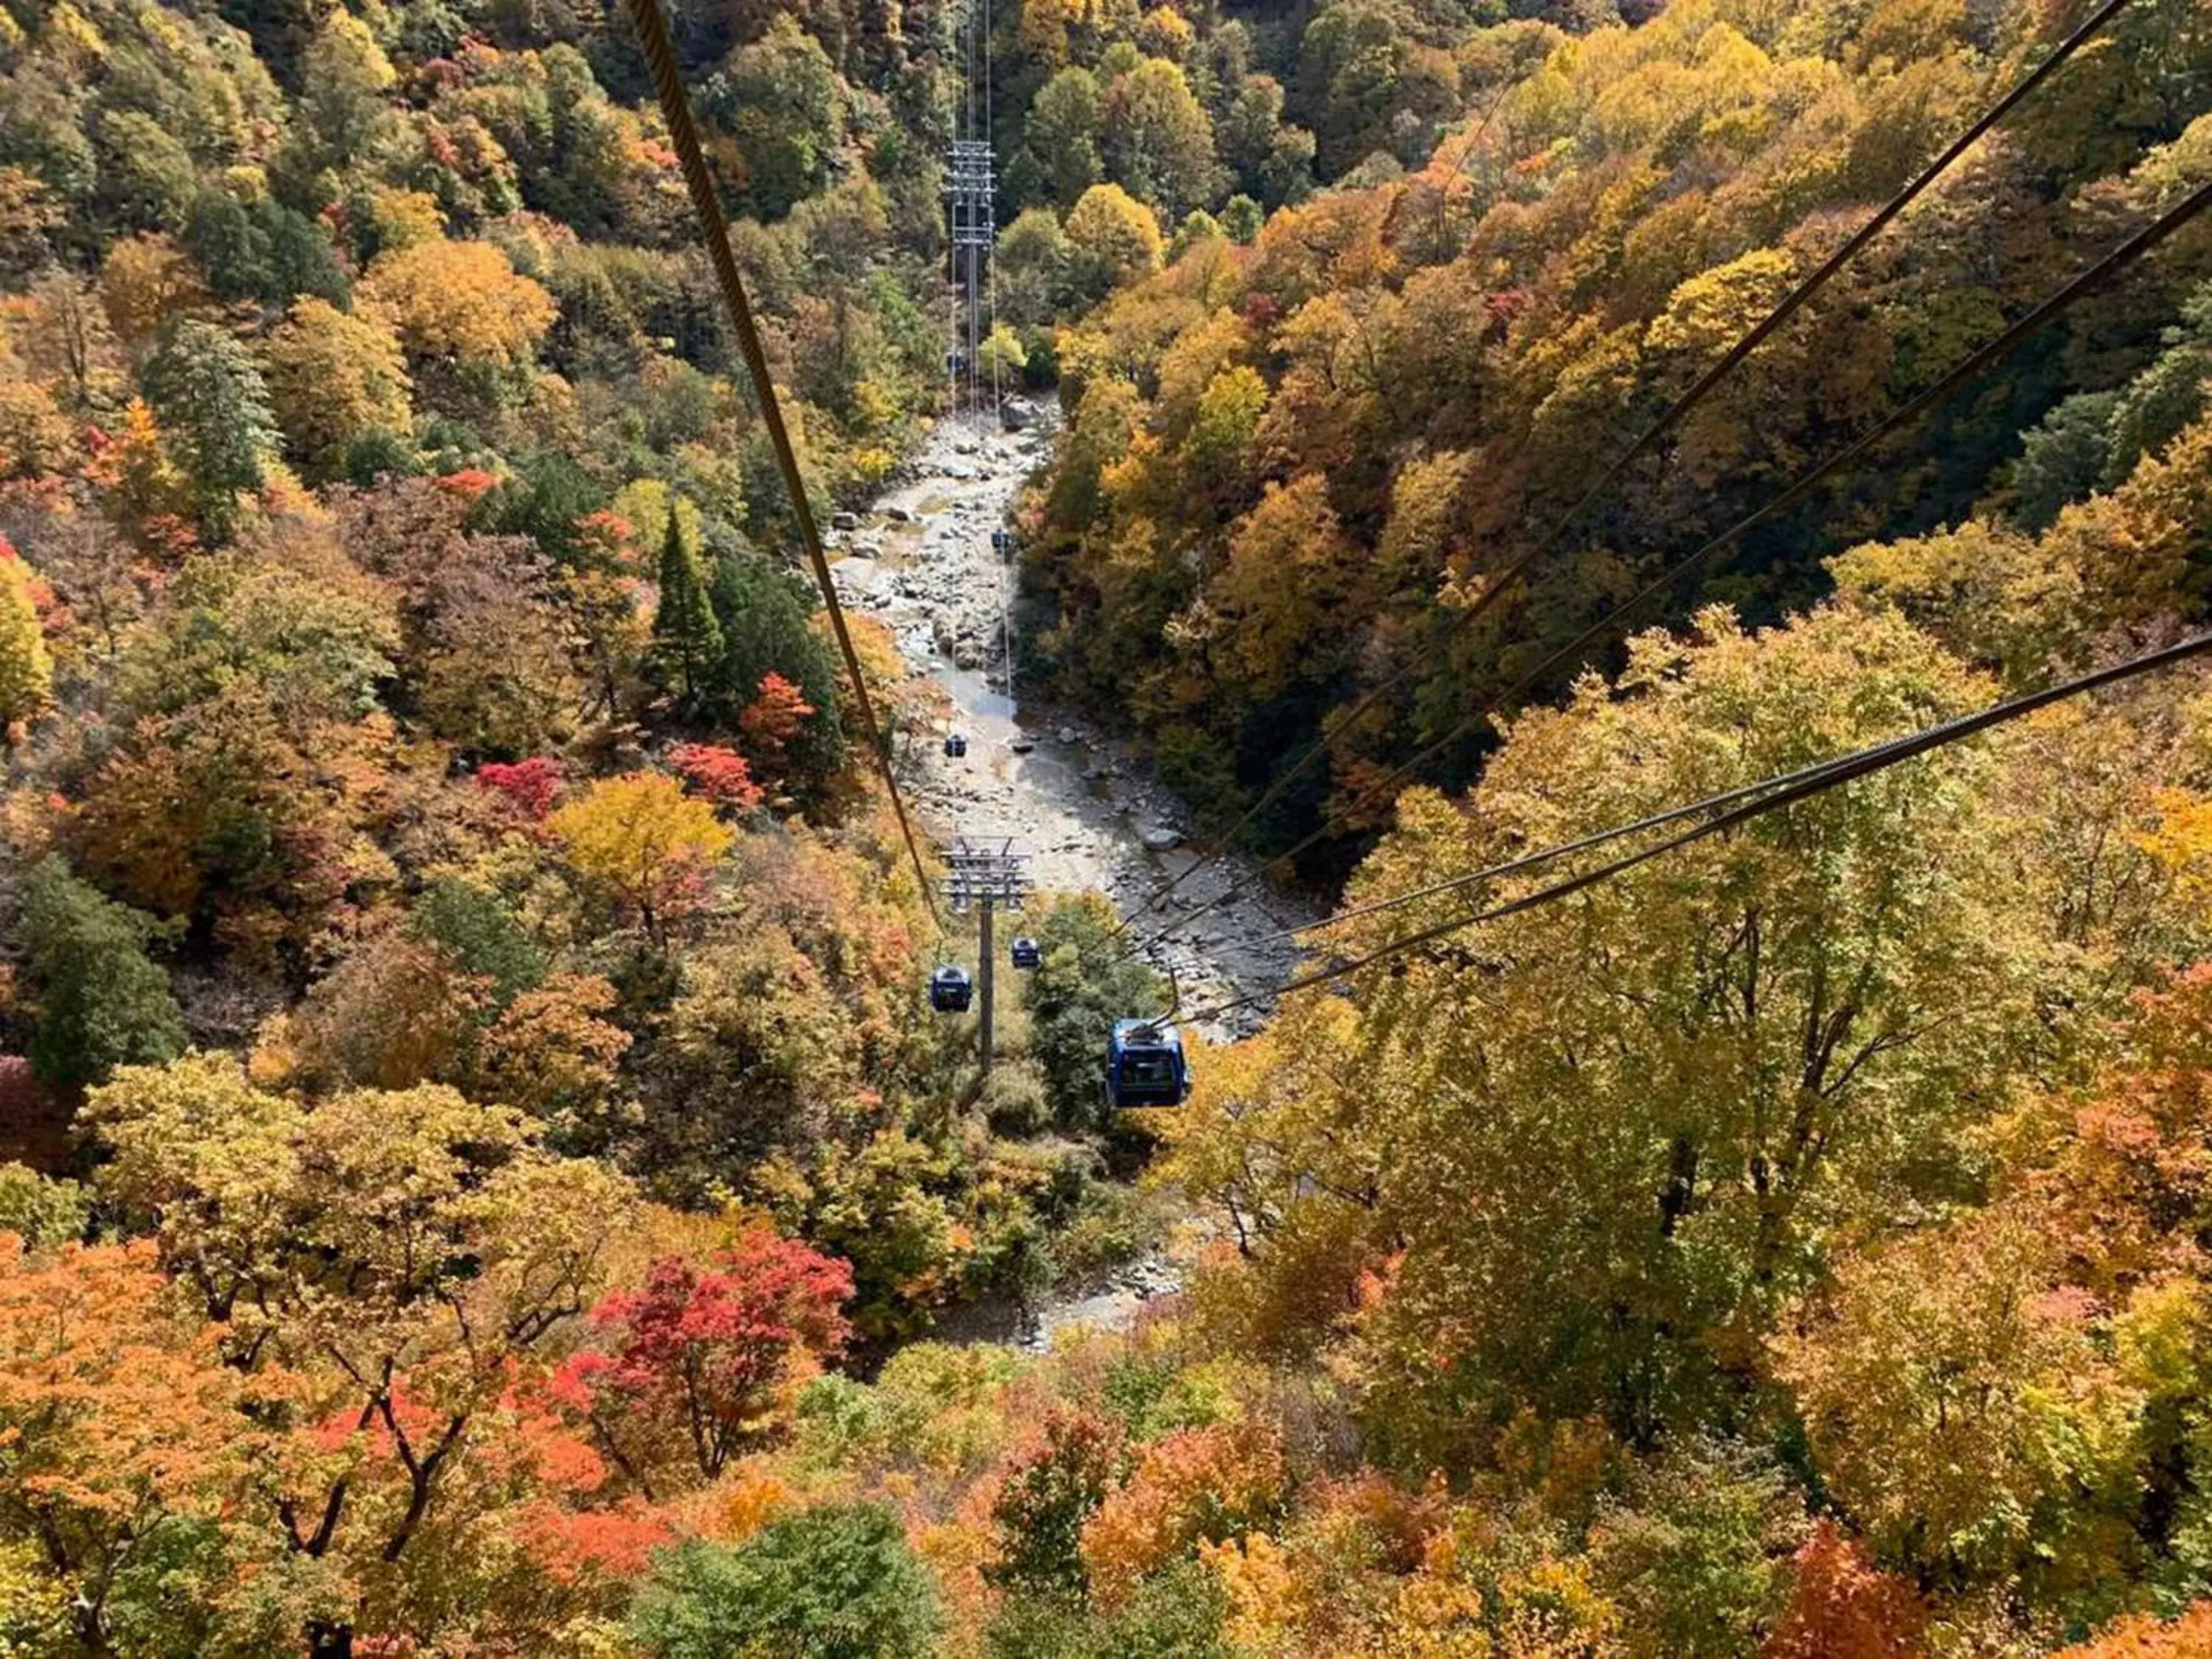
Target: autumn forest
column 481, row 1174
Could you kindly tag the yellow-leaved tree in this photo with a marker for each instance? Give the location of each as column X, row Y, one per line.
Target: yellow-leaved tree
column 645, row 843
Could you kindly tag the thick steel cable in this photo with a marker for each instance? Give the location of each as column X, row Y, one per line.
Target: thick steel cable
column 1494, row 588
column 683, row 132
column 2114, row 262
column 1877, row 758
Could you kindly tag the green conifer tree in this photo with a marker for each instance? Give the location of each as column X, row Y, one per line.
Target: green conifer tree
column 687, row 639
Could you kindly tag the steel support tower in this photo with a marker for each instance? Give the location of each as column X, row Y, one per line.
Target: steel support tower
column 971, row 195
column 986, row 873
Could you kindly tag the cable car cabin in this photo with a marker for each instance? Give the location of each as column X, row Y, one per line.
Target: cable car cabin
column 1026, row 953
column 1002, row 543
column 950, row 990
column 1145, row 1066
column 956, row 746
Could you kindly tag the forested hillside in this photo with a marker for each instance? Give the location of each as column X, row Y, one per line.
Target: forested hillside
column 1398, row 390
column 483, row 1169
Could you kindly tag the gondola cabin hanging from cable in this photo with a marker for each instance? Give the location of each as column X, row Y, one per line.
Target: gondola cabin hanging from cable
column 1145, row 1065
column 1027, row 953
column 956, row 746
column 1002, row 543
column 950, row 989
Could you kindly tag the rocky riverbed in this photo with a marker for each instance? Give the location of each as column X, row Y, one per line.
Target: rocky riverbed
column 1082, row 805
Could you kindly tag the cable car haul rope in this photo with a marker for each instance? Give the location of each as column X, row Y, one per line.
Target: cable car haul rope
column 1503, row 581
column 683, row 132
column 1144, row 1064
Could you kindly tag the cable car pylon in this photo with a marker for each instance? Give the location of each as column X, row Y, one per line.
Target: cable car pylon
column 986, row 873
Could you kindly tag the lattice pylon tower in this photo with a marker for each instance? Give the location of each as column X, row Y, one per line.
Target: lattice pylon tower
column 987, row 873
column 971, row 196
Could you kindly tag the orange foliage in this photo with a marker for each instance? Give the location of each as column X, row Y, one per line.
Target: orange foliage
column 115, row 1414
column 1844, row 1606
column 1196, row 1485
column 2144, row 1637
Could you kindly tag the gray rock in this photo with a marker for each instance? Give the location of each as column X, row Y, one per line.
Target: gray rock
column 1068, row 734
column 844, row 521
column 898, row 515
column 1023, row 745
column 1017, row 414
column 1160, row 837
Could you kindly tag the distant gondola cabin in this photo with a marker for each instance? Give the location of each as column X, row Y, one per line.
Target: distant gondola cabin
column 1027, row 953
column 956, row 746
column 950, row 989
column 1145, row 1065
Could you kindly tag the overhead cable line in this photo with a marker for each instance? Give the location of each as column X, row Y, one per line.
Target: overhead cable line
column 683, row 132
column 1782, row 793
column 2119, row 259
column 1496, row 587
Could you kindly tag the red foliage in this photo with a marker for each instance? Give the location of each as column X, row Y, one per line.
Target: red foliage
column 698, row 1356
column 771, row 720
column 1844, row 1606
column 531, row 785
column 719, row 774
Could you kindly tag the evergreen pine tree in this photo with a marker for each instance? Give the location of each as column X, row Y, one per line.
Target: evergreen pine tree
column 686, row 637
column 767, row 629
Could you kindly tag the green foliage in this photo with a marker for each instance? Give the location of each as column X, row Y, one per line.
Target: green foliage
column 42, row 1211
column 1046, row 1499
column 766, row 620
column 831, row 1582
column 1696, row 1552
column 687, row 639
column 1085, row 984
column 1173, row 1614
column 780, row 98
column 102, row 1002
column 2093, row 440
column 477, row 930
column 214, row 407
column 266, row 252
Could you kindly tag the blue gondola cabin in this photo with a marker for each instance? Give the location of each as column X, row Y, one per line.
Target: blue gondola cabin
column 1145, row 1065
column 1027, row 954
column 950, row 990
column 956, row 746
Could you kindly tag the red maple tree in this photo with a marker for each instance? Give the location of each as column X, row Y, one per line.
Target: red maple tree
column 696, row 1359
column 719, row 774
column 531, row 785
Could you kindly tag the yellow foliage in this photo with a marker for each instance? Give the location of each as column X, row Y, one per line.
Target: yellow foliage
column 641, row 836
column 750, row 1497
column 461, row 302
